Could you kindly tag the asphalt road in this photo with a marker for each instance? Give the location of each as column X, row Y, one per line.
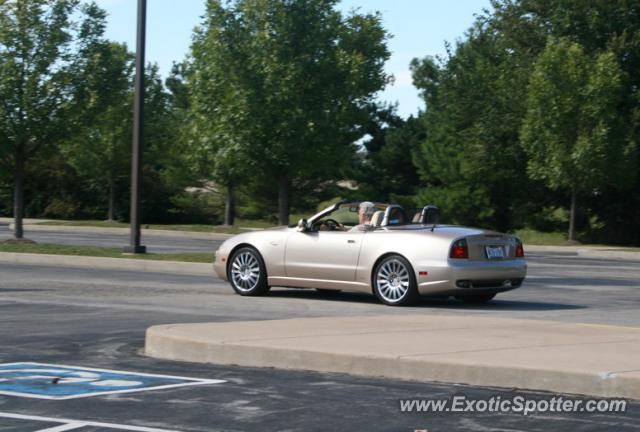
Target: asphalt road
column 154, row 243
column 97, row 318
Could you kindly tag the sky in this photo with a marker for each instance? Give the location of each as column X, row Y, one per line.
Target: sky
column 419, row 28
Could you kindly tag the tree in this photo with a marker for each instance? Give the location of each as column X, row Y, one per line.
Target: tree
column 471, row 161
column 611, row 26
column 387, row 171
column 165, row 171
column 35, row 41
column 571, row 130
column 100, row 147
column 281, row 88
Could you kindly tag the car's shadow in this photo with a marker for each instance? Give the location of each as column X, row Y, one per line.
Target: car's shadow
column 424, row 302
column 580, row 282
column 503, row 305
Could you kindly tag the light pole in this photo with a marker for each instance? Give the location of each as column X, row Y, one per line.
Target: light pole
column 138, row 140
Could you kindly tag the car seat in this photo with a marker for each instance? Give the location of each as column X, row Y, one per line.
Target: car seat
column 376, row 219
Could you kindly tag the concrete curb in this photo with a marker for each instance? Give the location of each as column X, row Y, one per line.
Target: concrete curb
column 609, row 254
column 402, row 347
column 108, row 263
column 125, row 231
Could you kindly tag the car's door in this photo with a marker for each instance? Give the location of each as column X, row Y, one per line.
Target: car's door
column 323, row 255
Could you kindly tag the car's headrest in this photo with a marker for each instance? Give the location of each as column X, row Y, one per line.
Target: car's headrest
column 376, row 219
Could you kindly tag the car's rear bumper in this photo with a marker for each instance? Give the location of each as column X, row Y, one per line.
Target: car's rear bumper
column 460, row 277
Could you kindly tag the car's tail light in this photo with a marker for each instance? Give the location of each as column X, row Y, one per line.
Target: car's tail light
column 519, row 250
column 459, row 250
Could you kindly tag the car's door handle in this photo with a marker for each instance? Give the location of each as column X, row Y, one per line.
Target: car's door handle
column 351, row 241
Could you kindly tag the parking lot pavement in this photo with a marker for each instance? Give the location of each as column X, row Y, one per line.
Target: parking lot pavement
column 558, row 287
column 97, row 319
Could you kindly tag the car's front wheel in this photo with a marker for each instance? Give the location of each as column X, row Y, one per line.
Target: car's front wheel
column 394, row 282
column 247, row 272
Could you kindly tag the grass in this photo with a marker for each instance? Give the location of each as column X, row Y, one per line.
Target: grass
column 533, row 237
column 51, row 249
column 92, row 223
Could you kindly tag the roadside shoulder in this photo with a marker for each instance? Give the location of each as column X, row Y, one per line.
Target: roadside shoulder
column 598, row 252
column 124, row 231
column 107, row 263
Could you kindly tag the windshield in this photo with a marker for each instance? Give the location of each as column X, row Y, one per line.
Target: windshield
column 349, row 214
column 369, row 215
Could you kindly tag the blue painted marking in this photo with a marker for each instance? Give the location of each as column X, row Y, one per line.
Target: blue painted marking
column 47, row 381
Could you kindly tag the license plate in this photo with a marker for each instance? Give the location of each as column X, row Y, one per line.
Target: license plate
column 494, row 252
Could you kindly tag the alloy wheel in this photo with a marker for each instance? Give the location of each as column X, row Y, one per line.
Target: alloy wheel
column 393, row 280
column 245, row 271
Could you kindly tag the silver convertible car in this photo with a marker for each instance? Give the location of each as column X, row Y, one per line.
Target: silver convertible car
column 376, row 248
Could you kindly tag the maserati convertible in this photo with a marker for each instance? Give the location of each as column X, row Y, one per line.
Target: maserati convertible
column 396, row 254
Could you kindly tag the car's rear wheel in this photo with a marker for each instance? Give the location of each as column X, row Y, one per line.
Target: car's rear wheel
column 477, row 297
column 394, row 282
column 247, row 272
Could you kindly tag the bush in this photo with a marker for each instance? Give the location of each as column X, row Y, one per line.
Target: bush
column 198, row 207
column 63, row 208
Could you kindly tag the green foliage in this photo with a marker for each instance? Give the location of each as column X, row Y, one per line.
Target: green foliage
column 34, row 74
column 470, row 161
column 612, row 28
column 570, row 128
column 387, row 172
column 280, row 88
column 99, row 148
column 574, row 102
column 62, row 208
column 65, row 115
column 276, row 103
column 164, row 152
column 36, row 37
column 533, row 237
column 194, row 207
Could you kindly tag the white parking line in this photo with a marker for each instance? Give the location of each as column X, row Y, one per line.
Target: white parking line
column 63, row 427
column 69, row 424
column 214, row 381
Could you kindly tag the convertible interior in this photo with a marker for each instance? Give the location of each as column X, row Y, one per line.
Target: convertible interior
column 345, row 216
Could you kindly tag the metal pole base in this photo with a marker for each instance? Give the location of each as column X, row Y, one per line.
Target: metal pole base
column 135, row 249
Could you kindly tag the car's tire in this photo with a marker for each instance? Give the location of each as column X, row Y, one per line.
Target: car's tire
column 477, row 298
column 394, row 281
column 247, row 273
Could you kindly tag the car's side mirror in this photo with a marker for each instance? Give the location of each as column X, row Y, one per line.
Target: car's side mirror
column 303, row 225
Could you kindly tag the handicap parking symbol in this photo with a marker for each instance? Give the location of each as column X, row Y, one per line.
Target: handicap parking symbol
column 60, row 382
